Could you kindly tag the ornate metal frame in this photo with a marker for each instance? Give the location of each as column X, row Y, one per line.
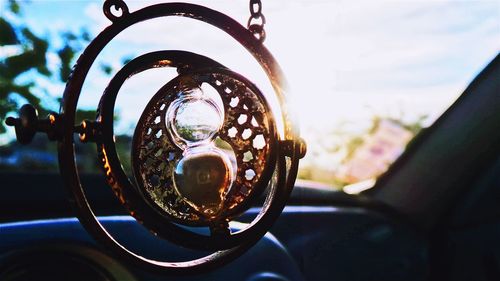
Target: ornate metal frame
column 285, row 152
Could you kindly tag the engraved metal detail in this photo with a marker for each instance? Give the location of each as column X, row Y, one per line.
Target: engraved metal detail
column 157, row 155
column 248, row 128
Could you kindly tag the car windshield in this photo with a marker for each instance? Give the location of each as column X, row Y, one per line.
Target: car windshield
column 364, row 76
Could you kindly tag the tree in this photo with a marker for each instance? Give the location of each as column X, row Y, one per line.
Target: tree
column 25, row 60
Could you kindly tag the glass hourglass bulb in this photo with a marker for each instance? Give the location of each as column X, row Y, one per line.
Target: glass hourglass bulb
column 194, row 118
column 204, row 174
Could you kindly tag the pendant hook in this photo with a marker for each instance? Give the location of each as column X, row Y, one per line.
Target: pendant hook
column 119, row 7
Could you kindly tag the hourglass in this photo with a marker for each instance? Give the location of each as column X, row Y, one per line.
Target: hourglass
column 180, row 169
column 205, row 148
column 204, row 174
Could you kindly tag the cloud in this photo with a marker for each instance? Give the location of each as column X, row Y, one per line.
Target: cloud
column 342, row 57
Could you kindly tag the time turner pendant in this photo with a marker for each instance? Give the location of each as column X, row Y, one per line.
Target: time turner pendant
column 181, row 178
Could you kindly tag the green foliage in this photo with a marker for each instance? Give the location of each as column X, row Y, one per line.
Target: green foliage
column 415, row 126
column 106, row 68
column 28, row 60
column 342, row 144
column 24, row 64
column 126, row 60
column 65, row 54
column 352, row 145
column 14, row 7
column 356, row 141
column 85, row 115
column 7, row 34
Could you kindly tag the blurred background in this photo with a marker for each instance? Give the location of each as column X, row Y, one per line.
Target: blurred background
column 365, row 76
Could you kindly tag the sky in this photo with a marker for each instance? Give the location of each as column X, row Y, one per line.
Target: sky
column 345, row 61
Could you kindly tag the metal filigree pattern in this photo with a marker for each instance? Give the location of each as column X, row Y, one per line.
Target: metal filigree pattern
column 156, row 157
column 248, row 128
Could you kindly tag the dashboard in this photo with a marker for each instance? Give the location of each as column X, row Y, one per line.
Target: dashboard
column 316, row 241
column 415, row 224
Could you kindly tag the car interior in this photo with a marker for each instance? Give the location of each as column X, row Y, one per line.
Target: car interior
column 432, row 215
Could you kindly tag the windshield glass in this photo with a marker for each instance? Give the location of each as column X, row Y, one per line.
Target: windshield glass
column 365, row 76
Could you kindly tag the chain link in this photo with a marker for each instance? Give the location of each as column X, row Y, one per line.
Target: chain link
column 255, row 23
column 257, row 20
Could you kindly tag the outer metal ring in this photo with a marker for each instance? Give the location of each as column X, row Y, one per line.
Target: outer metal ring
column 68, row 110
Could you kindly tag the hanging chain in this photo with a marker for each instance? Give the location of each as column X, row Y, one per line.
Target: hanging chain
column 257, row 20
column 255, row 23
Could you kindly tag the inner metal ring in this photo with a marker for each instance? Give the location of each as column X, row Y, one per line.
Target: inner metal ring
column 248, row 128
column 134, row 200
